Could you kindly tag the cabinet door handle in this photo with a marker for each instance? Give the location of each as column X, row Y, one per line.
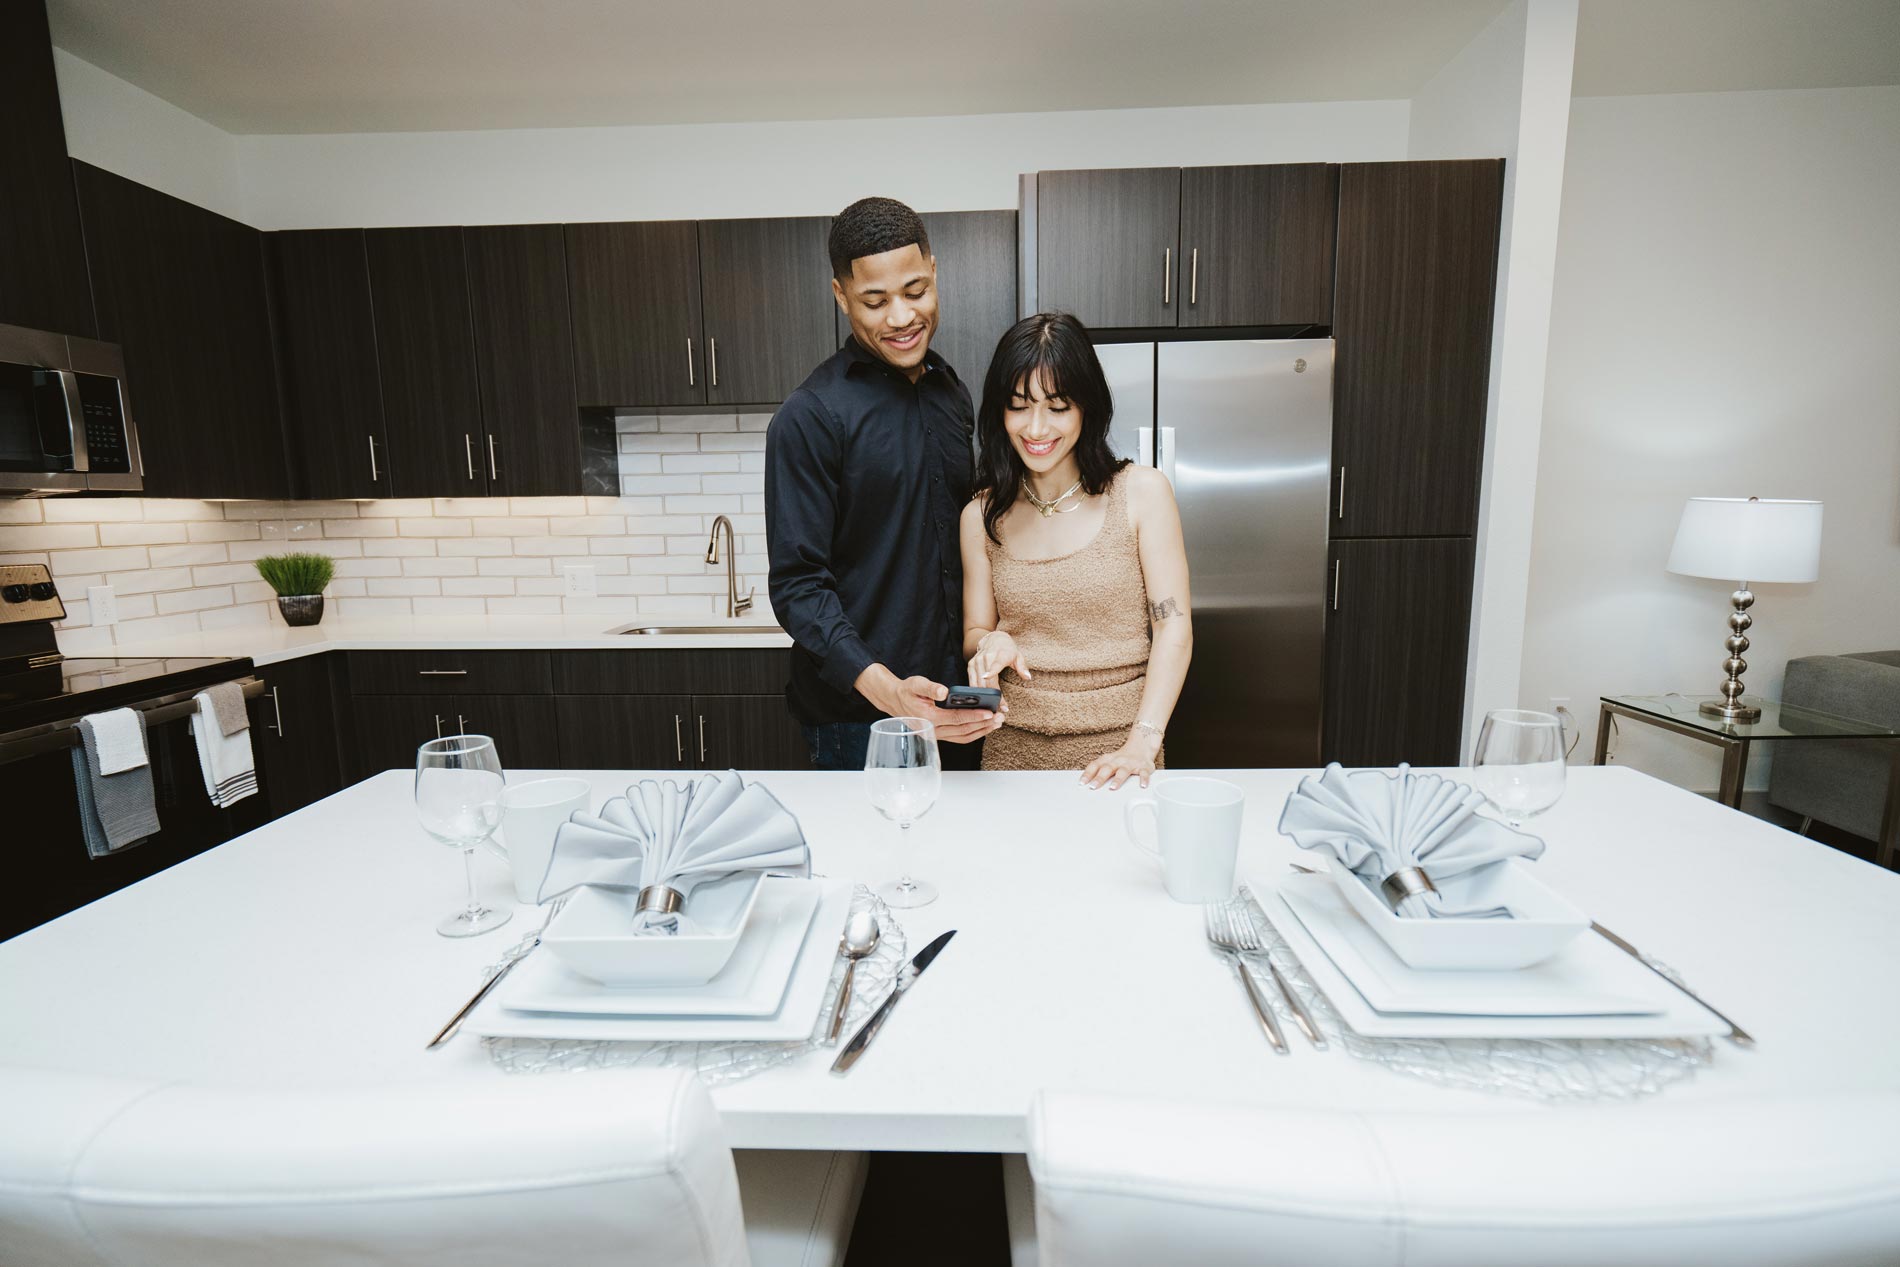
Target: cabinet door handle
column 468, row 452
column 1194, row 276
column 441, row 672
column 712, row 353
column 702, row 739
column 689, row 362
column 461, row 727
column 438, row 727
column 1342, row 492
column 277, row 707
column 494, row 472
column 1167, row 276
column 375, row 476
column 679, row 744
column 1336, row 563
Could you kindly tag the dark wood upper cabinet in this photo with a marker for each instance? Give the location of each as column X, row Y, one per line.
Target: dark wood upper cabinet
column 425, row 347
column 1418, row 249
column 1108, row 245
column 634, row 291
column 1257, row 245
column 765, row 288
column 43, row 281
column 976, row 287
column 1396, row 638
column 182, row 291
column 524, row 358
column 326, row 359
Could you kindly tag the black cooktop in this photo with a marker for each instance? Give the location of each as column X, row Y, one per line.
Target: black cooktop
column 72, row 688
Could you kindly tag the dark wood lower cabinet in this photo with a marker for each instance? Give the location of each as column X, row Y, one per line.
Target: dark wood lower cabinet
column 389, row 728
column 293, row 733
column 1396, row 636
column 747, row 732
column 625, row 732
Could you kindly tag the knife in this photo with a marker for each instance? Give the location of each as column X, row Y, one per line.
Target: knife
column 906, row 979
column 1736, row 1034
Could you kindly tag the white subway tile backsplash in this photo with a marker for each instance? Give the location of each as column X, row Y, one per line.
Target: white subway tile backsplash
column 184, row 565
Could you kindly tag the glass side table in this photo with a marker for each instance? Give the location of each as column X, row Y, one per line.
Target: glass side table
column 1779, row 723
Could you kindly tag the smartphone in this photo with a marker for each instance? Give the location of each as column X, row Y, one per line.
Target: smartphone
column 973, row 697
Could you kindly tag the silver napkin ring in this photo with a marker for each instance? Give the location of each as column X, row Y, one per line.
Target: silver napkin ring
column 1401, row 884
column 661, row 899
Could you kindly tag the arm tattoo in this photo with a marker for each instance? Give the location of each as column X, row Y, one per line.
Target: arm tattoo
column 1160, row 611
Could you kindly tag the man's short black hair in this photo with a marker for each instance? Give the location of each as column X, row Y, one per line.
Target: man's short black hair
column 872, row 226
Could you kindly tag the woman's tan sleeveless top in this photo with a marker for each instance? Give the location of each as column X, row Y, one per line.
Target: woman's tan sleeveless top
column 1081, row 621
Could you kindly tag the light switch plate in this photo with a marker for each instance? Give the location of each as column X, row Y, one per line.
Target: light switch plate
column 580, row 581
column 102, row 605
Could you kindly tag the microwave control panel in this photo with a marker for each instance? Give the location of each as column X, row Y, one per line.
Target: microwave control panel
column 106, row 450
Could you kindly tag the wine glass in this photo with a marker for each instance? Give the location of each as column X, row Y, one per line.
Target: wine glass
column 1520, row 762
column 458, row 799
column 903, row 776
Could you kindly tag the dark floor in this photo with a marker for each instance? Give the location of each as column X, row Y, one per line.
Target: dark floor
column 931, row 1209
column 1756, row 803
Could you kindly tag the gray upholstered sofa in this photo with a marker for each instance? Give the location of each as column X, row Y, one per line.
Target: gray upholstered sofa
column 1843, row 784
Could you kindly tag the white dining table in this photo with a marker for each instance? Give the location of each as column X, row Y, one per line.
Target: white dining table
column 305, row 953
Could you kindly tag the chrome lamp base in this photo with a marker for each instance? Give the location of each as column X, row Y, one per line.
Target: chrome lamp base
column 1730, row 707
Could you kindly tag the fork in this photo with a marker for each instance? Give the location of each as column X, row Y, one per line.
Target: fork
column 1247, row 937
column 515, row 955
column 1220, row 934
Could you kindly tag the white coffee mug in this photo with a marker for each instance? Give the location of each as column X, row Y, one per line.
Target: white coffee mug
column 1197, row 835
column 530, row 815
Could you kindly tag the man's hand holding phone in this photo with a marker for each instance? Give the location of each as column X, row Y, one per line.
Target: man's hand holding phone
column 921, row 697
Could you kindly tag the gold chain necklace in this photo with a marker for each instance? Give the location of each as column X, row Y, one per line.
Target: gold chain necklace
column 1055, row 506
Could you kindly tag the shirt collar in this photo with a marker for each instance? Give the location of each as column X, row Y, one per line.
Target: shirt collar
column 858, row 357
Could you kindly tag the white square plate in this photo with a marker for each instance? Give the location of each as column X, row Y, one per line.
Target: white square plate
column 795, row 1019
column 751, row 984
column 1682, row 1019
column 1588, row 978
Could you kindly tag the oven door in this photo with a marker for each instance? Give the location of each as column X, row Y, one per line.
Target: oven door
column 40, row 449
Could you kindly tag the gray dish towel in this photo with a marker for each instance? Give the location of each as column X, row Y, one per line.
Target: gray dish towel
column 227, row 701
column 115, row 810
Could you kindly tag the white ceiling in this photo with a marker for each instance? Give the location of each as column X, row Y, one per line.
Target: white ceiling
column 253, row 66
column 274, row 66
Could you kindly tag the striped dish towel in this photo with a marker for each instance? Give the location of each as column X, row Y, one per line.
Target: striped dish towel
column 229, row 767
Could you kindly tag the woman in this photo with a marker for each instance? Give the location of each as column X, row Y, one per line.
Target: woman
column 1075, row 579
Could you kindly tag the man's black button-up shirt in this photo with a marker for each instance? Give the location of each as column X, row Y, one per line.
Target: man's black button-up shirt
column 865, row 475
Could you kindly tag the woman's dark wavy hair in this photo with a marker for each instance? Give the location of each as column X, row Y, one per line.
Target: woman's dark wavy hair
column 1052, row 348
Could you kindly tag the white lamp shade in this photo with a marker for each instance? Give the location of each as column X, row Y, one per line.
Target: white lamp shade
column 1746, row 539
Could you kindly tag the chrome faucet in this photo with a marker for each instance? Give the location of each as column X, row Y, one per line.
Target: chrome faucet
column 735, row 606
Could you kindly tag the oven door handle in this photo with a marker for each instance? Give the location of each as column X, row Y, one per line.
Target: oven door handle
column 55, row 735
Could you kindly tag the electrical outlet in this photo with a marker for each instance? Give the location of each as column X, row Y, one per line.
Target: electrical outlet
column 1559, row 701
column 580, row 580
column 102, row 604
column 271, row 530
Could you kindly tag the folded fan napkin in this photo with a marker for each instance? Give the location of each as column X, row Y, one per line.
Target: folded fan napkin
column 227, row 762
column 1378, row 823
column 680, row 835
column 115, row 810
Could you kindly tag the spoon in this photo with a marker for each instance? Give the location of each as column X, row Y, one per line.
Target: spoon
column 861, row 935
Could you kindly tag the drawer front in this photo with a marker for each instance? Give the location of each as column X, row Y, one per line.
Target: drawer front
column 645, row 671
column 449, row 673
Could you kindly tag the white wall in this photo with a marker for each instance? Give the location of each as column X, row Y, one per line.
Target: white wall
column 767, row 169
column 125, row 129
column 1727, row 322
column 1508, row 94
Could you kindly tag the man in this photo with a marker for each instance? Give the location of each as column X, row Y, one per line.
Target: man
column 867, row 466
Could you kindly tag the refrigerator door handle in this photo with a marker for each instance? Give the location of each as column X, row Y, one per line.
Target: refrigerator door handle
column 1164, row 453
column 1145, row 446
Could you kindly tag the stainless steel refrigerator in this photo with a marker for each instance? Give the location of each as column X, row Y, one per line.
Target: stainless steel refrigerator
column 1243, row 429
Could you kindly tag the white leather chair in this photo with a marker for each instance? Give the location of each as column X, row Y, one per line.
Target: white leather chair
column 625, row 1168
column 1810, row 1181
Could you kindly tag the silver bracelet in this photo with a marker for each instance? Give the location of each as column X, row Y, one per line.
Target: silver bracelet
column 1151, row 728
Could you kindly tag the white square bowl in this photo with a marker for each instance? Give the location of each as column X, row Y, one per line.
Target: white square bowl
column 1541, row 923
column 594, row 935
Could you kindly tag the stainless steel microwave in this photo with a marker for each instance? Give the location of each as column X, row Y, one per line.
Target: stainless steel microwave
column 65, row 421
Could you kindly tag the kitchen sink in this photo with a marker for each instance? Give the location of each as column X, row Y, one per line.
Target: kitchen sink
column 652, row 631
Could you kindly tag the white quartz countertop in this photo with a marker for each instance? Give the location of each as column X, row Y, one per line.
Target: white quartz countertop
column 268, row 644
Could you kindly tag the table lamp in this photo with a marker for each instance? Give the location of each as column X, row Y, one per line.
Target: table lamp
column 1730, row 538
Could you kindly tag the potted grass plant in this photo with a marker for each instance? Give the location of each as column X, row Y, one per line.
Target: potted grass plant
column 299, row 580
